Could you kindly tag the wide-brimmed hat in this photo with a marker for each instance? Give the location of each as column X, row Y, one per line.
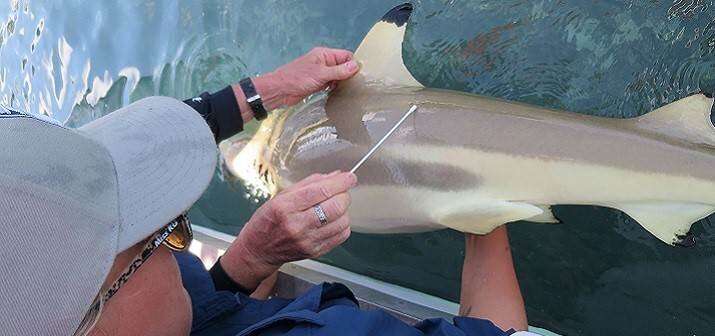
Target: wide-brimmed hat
column 72, row 199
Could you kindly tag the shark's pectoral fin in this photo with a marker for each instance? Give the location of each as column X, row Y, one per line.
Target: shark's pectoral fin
column 481, row 217
column 547, row 216
column 669, row 222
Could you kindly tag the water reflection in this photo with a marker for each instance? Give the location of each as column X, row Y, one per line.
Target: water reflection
column 596, row 274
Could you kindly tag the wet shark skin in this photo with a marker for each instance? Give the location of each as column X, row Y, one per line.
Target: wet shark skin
column 473, row 163
column 451, row 119
column 554, row 158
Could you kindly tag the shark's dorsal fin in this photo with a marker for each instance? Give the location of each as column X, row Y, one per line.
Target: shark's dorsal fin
column 687, row 119
column 380, row 53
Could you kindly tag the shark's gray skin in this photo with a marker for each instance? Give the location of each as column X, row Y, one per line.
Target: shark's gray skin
column 473, row 163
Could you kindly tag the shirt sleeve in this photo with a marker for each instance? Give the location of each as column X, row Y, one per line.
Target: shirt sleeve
column 222, row 281
column 221, row 112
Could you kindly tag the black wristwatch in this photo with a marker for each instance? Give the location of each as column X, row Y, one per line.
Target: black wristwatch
column 253, row 98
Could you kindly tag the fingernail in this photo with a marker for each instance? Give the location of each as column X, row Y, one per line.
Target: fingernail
column 351, row 66
column 353, row 179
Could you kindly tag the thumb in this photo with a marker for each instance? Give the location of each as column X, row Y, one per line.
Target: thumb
column 342, row 71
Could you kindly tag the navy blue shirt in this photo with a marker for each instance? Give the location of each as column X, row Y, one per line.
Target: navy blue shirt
column 326, row 309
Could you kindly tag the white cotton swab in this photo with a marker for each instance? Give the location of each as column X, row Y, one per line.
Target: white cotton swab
column 379, row 143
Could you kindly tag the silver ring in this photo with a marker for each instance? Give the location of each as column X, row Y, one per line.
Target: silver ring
column 321, row 215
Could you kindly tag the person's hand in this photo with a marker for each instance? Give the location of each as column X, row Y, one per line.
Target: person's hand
column 314, row 71
column 318, row 69
column 287, row 229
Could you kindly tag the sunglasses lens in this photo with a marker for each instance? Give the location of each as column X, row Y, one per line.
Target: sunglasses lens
column 90, row 318
column 181, row 237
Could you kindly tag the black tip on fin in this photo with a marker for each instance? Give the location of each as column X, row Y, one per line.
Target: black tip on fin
column 687, row 240
column 399, row 15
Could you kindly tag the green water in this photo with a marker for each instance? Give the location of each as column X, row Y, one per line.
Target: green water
column 599, row 273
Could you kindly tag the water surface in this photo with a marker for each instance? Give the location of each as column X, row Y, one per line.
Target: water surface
column 599, row 273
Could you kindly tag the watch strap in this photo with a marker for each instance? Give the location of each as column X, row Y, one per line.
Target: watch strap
column 253, row 99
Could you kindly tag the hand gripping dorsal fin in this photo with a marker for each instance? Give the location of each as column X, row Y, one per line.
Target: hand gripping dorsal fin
column 687, row 119
column 380, row 53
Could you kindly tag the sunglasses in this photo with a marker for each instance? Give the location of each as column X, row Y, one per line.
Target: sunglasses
column 177, row 236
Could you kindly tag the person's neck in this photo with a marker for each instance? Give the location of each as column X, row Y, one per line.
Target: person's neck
column 152, row 302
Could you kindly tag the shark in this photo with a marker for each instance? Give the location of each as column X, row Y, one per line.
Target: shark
column 472, row 163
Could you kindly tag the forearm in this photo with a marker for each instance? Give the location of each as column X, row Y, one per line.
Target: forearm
column 490, row 289
column 285, row 86
column 268, row 87
column 227, row 110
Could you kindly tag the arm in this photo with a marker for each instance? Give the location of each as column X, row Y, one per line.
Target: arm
column 246, row 264
column 490, row 289
column 226, row 111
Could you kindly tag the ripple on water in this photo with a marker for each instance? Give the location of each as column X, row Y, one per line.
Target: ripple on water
column 56, row 73
column 687, row 9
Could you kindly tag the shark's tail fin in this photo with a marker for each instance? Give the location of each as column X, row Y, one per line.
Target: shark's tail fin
column 687, row 119
column 380, row 53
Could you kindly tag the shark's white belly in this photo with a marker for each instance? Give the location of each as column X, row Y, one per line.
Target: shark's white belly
column 514, row 187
